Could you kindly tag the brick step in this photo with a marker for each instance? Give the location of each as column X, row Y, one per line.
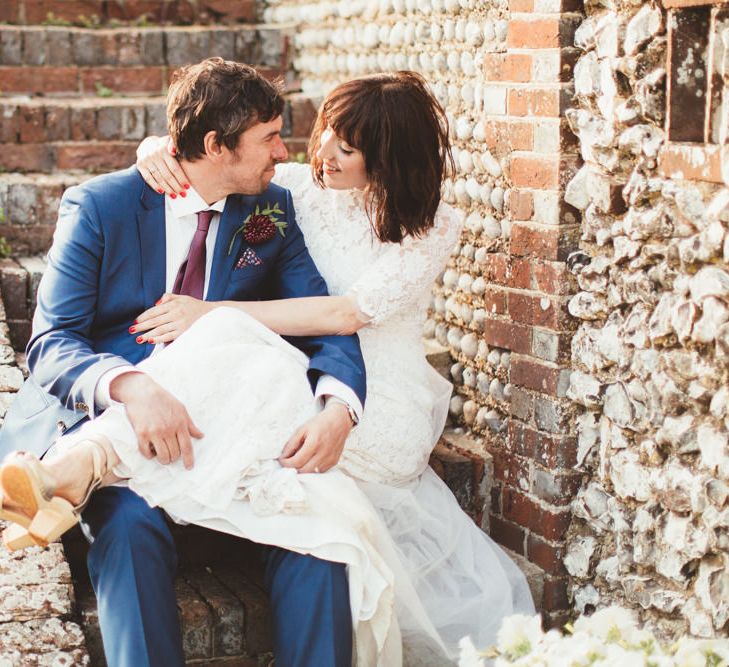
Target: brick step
column 32, row 120
column 92, row 13
column 55, row 60
column 91, row 156
column 223, row 607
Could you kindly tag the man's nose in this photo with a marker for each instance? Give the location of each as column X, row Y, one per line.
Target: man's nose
column 280, row 152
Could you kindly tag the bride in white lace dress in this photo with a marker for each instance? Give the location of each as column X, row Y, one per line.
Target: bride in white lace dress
column 417, row 550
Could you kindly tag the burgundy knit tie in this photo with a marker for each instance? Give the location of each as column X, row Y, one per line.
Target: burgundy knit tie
column 191, row 276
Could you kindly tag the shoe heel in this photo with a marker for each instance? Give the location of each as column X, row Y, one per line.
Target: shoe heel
column 16, row 537
column 51, row 522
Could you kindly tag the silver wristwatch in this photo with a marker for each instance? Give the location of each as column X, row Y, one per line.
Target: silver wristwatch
column 350, row 409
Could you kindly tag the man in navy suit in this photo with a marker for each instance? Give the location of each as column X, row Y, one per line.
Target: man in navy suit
column 119, row 245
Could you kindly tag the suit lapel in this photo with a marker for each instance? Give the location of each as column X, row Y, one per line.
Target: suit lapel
column 152, row 248
column 236, row 209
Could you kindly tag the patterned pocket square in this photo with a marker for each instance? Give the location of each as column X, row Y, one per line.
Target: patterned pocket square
column 248, row 258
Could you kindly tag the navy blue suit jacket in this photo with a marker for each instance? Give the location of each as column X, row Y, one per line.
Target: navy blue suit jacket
column 107, row 265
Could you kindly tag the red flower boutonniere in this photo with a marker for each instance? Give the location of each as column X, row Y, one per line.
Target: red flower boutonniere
column 260, row 226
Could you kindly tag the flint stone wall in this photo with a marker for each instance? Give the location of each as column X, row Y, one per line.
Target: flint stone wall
column 651, row 354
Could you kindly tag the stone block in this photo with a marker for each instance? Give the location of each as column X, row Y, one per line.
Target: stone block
column 41, row 636
column 34, row 45
column 58, row 47
column 35, row 267
column 228, row 623
column 458, row 473
column 32, row 124
column 551, row 415
column 13, row 286
column 108, row 122
column 11, row 378
column 9, row 11
column 6, row 399
column 33, row 567
column 534, row 576
column 156, row 119
column 197, row 622
column 247, row 46
column 152, row 46
column 132, row 126
column 57, row 123
column 11, row 46
column 24, row 603
column 88, row 49
column 99, row 156
column 126, row 80
column 258, row 633
column 230, row 10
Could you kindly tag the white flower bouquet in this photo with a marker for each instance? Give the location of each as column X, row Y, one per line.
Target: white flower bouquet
column 608, row 638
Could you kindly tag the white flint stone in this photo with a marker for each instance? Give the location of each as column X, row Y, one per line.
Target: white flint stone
column 586, row 598
column 469, row 345
column 642, row 27
column 709, row 281
column 713, row 447
column 584, row 389
column 579, row 553
column 491, row 227
column 629, row 477
column 715, row 313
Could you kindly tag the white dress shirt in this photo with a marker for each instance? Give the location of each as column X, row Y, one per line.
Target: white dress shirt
column 180, row 225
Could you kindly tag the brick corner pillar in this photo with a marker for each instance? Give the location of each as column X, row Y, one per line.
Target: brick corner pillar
column 534, row 454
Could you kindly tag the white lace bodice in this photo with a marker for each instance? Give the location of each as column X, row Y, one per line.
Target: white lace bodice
column 390, row 281
column 392, row 284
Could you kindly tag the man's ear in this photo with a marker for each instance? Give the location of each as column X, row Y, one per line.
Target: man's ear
column 213, row 148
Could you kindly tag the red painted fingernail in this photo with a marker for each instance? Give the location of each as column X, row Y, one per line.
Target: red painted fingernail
column 159, row 301
column 173, row 195
column 160, row 190
column 183, row 194
column 151, row 341
column 140, row 339
column 186, row 186
column 132, row 329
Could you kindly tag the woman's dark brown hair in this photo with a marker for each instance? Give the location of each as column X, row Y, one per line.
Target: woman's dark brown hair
column 402, row 132
column 220, row 95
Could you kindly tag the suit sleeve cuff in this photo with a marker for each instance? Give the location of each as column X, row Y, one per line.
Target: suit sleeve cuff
column 102, row 395
column 328, row 385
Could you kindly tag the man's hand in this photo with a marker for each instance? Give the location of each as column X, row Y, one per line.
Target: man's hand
column 317, row 445
column 162, row 424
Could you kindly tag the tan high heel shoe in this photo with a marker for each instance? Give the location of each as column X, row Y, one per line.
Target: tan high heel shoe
column 31, row 493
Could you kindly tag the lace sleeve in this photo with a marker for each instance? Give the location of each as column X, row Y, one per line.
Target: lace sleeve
column 292, row 175
column 398, row 277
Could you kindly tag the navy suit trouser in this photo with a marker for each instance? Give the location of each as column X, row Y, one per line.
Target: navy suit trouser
column 132, row 564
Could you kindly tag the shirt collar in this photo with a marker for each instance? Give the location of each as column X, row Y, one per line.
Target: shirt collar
column 192, row 204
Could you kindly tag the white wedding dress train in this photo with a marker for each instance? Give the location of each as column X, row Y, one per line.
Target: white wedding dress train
column 421, row 575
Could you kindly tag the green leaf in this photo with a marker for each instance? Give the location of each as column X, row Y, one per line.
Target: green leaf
column 232, row 240
column 258, row 210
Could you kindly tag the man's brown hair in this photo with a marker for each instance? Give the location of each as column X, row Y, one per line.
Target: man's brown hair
column 402, row 132
column 220, row 95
